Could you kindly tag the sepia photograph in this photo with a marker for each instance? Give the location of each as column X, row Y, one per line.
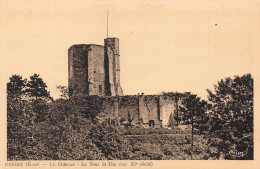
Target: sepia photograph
column 121, row 80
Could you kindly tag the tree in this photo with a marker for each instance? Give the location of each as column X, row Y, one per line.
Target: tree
column 37, row 88
column 90, row 106
column 232, row 114
column 193, row 112
column 19, row 118
column 64, row 92
column 15, row 92
column 16, row 86
column 110, row 140
column 37, row 91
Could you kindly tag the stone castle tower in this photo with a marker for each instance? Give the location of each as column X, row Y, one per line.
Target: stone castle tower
column 95, row 69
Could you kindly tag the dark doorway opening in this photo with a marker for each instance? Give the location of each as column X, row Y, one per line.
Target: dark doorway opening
column 151, row 123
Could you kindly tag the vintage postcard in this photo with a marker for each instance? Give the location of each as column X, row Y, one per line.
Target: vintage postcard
column 123, row 84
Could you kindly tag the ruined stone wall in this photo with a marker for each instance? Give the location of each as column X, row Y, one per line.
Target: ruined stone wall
column 112, row 67
column 129, row 110
column 96, row 70
column 167, row 109
column 109, row 108
column 140, row 110
column 149, row 110
column 86, row 70
column 109, row 78
column 78, row 72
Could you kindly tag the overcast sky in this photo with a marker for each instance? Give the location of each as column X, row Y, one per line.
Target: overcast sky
column 164, row 45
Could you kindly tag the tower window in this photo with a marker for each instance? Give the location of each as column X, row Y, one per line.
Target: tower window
column 100, row 88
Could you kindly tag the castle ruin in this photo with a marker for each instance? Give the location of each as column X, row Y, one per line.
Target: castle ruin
column 94, row 70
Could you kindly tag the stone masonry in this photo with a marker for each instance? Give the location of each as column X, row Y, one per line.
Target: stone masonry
column 141, row 110
column 94, row 70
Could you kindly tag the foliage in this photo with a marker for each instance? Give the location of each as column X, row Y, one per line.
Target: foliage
column 64, row 92
column 15, row 87
column 194, row 110
column 89, row 106
column 147, row 131
column 68, row 129
column 37, row 89
column 167, row 147
column 20, row 118
column 232, row 114
column 73, row 141
column 147, row 151
column 63, row 134
column 110, row 141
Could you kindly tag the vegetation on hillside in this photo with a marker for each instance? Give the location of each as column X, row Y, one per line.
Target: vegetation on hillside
column 40, row 128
